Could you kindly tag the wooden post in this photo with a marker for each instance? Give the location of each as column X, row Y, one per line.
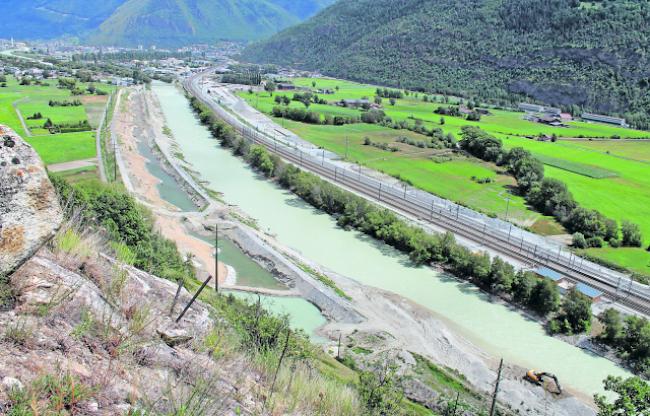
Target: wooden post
column 277, row 370
column 114, row 158
column 496, row 389
column 338, row 351
column 216, row 256
column 196, row 295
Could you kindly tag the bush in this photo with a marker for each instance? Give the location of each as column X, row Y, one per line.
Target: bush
column 631, row 235
column 545, row 297
column 579, row 241
column 595, row 242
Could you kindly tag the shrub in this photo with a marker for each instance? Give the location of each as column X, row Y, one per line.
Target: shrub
column 124, row 221
column 579, row 241
column 595, row 242
column 631, row 235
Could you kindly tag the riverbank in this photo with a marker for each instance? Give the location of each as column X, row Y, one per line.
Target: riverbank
column 132, row 127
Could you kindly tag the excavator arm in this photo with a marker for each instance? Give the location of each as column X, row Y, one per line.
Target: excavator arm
column 538, row 378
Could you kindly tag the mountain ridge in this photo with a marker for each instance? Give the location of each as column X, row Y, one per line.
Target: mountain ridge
column 165, row 23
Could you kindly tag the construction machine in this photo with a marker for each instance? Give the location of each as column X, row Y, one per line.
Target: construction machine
column 538, row 378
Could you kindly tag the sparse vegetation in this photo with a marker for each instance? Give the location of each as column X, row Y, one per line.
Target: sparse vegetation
column 57, row 394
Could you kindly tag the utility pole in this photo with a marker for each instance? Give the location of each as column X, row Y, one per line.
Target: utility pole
column 507, row 207
column 496, row 389
column 347, row 147
column 114, row 159
column 216, row 257
column 338, row 351
column 456, row 403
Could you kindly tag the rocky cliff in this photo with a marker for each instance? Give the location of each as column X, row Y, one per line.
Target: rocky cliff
column 29, row 210
column 83, row 334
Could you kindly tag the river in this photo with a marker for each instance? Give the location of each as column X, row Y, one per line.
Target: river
column 494, row 327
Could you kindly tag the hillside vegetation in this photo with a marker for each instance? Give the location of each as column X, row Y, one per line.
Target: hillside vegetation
column 149, row 22
column 563, row 52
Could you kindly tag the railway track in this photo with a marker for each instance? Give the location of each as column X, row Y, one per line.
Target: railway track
column 615, row 286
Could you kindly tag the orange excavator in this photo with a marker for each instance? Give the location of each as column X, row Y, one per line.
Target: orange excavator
column 538, row 378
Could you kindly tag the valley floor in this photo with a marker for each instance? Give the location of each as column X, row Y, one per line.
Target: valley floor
column 408, row 327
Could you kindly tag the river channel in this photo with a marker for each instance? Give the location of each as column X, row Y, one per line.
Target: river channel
column 494, row 327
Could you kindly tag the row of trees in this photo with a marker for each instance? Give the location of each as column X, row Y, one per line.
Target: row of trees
column 307, row 98
column 389, row 93
column 65, row 103
column 245, row 78
column 82, row 125
column 298, row 114
column 550, row 196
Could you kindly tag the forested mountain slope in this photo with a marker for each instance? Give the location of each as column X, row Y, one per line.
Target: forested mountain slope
column 178, row 22
column 561, row 52
column 46, row 19
column 153, row 22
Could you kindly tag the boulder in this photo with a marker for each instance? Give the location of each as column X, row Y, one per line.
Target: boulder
column 29, row 209
column 10, row 383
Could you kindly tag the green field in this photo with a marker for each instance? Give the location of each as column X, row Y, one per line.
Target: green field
column 500, row 123
column 66, row 147
column 636, row 260
column 630, row 149
column 612, row 176
column 53, row 148
column 450, row 179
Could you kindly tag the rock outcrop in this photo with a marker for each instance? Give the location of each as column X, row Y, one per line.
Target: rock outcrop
column 108, row 327
column 29, row 209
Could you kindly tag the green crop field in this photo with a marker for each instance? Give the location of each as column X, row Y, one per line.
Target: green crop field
column 629, row 149
column 576, row 167
column 612, row 176
column 65, row 147
column 53, row 148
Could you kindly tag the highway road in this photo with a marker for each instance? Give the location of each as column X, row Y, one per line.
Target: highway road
column 495, row 234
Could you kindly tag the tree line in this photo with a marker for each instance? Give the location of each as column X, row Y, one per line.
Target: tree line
column 64, row 103
column 244, row 78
